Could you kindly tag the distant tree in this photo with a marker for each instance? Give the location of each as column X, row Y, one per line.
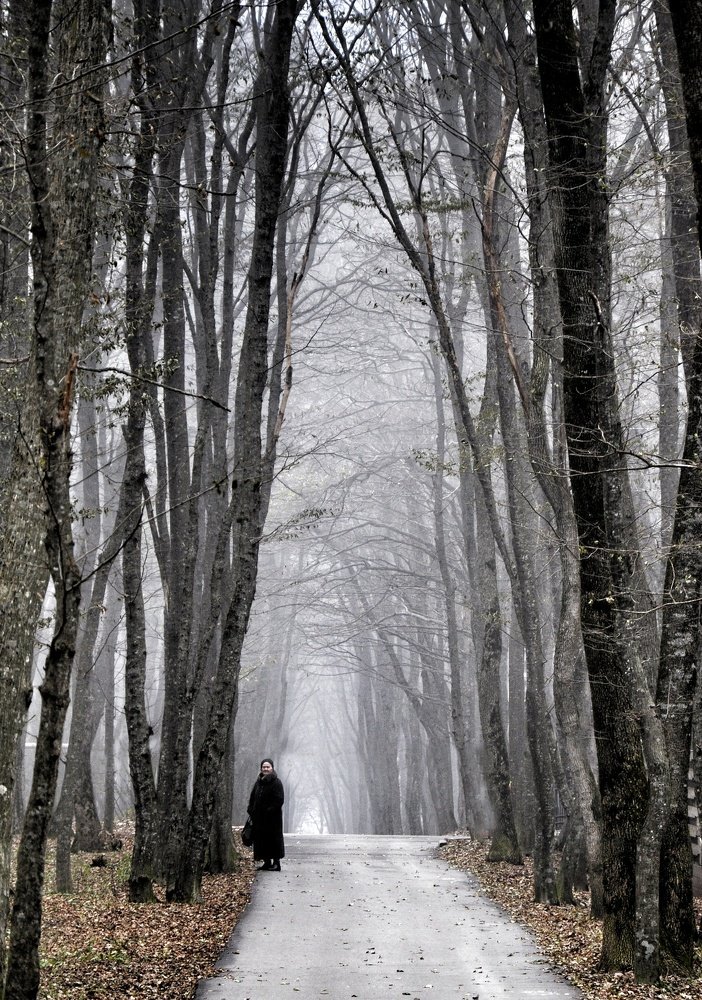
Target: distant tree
column 417, row 243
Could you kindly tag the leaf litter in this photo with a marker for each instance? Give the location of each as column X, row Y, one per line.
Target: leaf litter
column 96, row 944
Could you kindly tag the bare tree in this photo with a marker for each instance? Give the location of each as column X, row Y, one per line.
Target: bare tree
column 64, row 199
column 272, row 119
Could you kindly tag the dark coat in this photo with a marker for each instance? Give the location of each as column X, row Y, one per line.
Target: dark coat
column 266, row 812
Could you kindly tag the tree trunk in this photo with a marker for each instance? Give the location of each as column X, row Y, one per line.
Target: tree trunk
column 63, row 226
column 505, row 843
column 550, row 467
column 677, row 678
column 610, row 570
column 22, row 524
column 178, row 612
column 143, row 867
column 466, row 765
column 77, row 794
column 272, row 102
column 138, row 308
column 519, row 768
column 107, row 674
column 221, row 853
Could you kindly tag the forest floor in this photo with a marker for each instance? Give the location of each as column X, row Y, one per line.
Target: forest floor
column 95, row 944
column 567, row 935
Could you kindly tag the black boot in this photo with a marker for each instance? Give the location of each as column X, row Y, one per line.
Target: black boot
column 275, row 867
column 265, row 867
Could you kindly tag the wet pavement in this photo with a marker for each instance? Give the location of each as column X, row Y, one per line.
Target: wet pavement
column 374, row 918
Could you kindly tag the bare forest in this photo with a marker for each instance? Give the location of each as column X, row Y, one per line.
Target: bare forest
column 351, row 413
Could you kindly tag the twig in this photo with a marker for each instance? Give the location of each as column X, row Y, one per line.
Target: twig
column 151, row 381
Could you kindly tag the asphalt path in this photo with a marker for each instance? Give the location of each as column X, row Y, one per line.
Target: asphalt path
column 375, row 918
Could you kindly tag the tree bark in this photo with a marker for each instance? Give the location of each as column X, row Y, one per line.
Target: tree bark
column 129, row 520
column 64, row 199
column 683, row 585
column 610, row 570
column 77, row 793
column 22, row 554
column 466, row 764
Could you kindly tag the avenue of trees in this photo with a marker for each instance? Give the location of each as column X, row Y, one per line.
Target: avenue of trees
column 350, row 412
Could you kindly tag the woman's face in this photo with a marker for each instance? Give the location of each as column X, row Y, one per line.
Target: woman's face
column 266, row 767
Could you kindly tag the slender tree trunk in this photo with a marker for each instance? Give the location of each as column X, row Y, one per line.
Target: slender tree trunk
column 466, row 765
column 272, row 128
column 519, row 768
column 63, row 226
column 107, row 675
column 129, row 519
column 22, row 524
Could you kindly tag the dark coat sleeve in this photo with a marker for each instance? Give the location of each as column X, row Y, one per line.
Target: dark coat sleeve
column 276, row 796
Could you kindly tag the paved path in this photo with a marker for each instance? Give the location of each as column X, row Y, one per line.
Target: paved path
column 375, row 918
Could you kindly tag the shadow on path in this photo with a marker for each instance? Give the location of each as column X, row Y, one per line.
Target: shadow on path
column 376, row 917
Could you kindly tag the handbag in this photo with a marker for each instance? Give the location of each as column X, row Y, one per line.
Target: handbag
column 247, row 833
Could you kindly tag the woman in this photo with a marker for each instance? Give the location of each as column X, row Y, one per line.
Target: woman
column 266, row 812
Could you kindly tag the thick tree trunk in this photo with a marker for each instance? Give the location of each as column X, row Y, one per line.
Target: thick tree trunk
column 221, row 852
column 610, row 570
column 14, row 233
column 178, row 612
column 550, row 471
column 18, row 795
column 22, row 524
column 677, row 678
